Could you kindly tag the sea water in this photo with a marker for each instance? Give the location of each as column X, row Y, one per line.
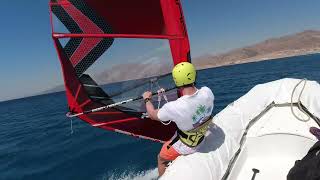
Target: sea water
column 36, row 140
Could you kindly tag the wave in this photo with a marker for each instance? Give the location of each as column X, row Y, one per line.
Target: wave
column 130, row 175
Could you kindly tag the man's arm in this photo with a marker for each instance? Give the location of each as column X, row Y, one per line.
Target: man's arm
column 152, row 112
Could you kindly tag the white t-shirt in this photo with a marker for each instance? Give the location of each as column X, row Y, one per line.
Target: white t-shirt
column 188, row 112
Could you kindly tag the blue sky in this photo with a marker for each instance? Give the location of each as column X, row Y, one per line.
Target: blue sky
column 29, row 62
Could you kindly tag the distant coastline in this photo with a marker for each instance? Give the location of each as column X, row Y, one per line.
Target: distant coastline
column 267, row 57
column 307, row 42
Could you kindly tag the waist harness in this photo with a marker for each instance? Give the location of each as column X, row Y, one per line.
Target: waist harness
column 193, row 137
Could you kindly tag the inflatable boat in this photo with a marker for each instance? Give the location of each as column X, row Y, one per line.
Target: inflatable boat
column 257, row 137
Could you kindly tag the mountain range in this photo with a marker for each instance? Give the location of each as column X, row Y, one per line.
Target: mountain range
column 306, row 42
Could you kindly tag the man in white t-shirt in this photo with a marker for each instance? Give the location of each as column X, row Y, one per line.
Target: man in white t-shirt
column 191, row 112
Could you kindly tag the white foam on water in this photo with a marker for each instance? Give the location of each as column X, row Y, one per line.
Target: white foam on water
column 129, row 175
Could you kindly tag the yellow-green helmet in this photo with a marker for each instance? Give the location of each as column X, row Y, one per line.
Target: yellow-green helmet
column 184, row 74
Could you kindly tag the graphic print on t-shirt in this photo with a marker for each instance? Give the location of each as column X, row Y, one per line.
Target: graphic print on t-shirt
column 200, row 115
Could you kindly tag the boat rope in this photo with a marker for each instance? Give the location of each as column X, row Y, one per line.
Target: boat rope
column 71, row 127
column 304, row 81
column 161, row 92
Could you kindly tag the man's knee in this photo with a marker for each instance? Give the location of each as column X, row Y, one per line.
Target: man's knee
column 162, row 160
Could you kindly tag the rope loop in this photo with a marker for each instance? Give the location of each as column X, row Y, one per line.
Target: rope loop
column 299, row 101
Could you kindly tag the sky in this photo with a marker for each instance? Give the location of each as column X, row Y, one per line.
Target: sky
column 29, row 63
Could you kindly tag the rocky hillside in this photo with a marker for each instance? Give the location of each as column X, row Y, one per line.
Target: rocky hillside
column 306, row 42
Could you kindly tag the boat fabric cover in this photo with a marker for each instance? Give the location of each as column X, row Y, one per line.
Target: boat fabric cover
column 224, row 136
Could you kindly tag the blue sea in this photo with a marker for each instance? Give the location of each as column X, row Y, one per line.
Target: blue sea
column 36, row 141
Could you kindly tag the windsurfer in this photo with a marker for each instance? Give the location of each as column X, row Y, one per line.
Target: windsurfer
column 191, row 113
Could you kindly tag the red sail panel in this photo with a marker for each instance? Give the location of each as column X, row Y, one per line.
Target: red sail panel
column 92, row 26
column 131, row 17
column 175, row 24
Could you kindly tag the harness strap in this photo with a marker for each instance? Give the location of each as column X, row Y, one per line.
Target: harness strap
column 195, row 136
column 176, row 139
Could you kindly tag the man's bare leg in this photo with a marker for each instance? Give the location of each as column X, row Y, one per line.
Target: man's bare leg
column 162, row 164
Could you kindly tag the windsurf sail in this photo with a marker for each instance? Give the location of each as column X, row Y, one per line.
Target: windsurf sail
column 84, row 30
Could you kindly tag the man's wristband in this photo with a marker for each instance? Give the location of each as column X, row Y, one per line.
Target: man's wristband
column 147, row 100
